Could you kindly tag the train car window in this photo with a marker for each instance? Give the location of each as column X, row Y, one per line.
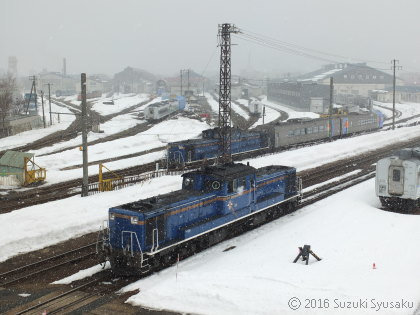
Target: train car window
column 233, row 186
column 302, row 131
column 396, row 175
column 243, row 183
column 289, row 133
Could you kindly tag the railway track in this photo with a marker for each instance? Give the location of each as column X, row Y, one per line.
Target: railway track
column 89, row 291
column 45, row 265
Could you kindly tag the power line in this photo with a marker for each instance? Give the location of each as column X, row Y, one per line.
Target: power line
column 302, row 48
column 297, row 50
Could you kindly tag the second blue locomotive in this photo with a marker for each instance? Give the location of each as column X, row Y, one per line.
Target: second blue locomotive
column 183, row 152
column 214, row 203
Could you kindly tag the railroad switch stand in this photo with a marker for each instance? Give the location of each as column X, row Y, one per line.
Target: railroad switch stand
column 304, row 253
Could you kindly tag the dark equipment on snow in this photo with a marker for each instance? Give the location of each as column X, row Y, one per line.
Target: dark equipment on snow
column 304, row 253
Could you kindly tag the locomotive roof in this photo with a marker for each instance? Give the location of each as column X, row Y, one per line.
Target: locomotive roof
column 157, row 104
column 160, row 202
column 226, row 171
column 408, row 153
column 192, row 141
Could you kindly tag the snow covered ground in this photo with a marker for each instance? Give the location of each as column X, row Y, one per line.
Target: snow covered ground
column 93, row 209
column 115, row 125
column 214, row 104
column 258, row 276
column 346, row 230
column 406, row 109
column 270, row 115
column 121, row 102
column 155, row 137
column 236, row 108
column 292, row 113
column 26, row 137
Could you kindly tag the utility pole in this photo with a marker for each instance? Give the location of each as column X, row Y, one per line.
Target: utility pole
column 188, row 80
column 225, row 122
column 263, row 114
column 180, row 72
column 33, row 88
column 43, row 112
column 394, row 62
column 49, row 101
column 84, row 136
column 331, row 107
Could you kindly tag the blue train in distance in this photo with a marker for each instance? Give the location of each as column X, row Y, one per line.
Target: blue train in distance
column 187, row 151
column 215, row 203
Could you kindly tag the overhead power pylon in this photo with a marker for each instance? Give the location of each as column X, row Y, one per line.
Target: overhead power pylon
column 225, row 122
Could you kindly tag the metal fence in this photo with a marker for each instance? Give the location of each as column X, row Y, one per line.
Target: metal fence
column 115, row 184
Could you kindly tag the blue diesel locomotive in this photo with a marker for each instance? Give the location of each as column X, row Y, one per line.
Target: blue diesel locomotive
column 215, row 203
column 183, row 152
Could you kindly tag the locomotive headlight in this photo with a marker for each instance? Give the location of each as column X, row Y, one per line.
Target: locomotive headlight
column 134, row 220
column 112, row 216
column 382, row 188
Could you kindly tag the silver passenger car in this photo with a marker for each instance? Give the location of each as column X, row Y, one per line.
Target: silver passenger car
column 397, row 180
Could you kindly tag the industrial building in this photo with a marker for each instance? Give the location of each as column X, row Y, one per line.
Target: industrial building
column 350, row 81
column 405, row 93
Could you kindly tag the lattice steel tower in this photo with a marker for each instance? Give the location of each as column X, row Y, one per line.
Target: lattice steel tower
column 225, row 154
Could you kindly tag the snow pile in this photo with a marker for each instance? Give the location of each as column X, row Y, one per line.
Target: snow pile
column 347, row 231
column 84, row 273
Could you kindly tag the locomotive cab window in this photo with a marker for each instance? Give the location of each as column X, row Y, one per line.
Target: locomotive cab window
column 242, row 183
column 233, row 186
column 396, row 175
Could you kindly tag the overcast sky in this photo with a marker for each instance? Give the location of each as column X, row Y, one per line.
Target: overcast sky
column 100, row 36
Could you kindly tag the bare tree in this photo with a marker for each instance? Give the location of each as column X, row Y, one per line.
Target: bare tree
column 7, row 88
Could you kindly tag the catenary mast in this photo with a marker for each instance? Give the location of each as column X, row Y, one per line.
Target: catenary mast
column 225, row 154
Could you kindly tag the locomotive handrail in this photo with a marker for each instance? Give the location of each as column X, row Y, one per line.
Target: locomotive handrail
column 131, row 242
